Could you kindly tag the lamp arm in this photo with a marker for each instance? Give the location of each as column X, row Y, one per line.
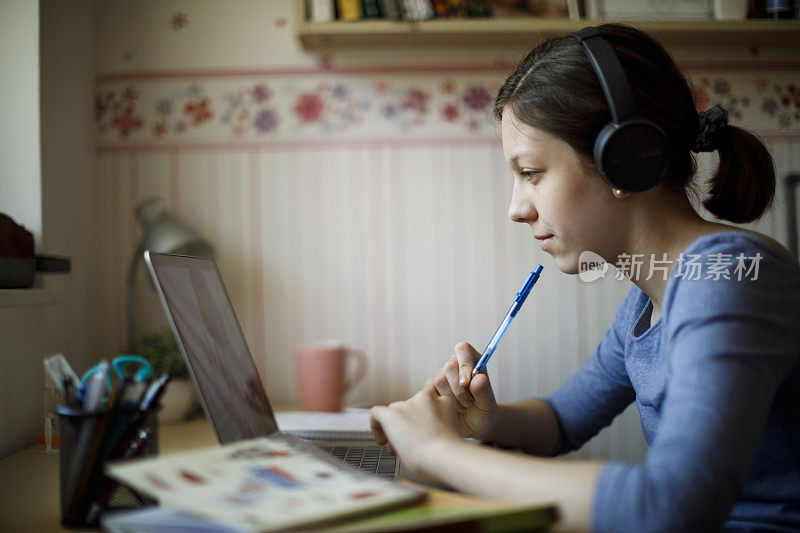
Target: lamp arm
column 130, row 294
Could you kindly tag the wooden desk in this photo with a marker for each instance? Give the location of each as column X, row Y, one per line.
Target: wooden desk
column 29, row 499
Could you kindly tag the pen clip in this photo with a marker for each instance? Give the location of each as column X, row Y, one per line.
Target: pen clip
column 529, row 283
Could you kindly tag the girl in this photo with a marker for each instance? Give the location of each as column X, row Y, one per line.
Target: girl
column 708, row 349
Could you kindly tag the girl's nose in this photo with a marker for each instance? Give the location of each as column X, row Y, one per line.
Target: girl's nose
column 521, row 208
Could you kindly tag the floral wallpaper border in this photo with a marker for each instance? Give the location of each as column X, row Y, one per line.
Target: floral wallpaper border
column 324, row 106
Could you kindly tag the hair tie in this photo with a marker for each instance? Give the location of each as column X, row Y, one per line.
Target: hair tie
column 710, row 122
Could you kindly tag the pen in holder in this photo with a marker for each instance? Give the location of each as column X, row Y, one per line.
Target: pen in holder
column 88, row 440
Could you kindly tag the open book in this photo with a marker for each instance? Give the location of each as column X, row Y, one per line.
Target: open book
column 262, row 484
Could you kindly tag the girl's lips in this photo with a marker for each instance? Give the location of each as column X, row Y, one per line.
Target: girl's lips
column 545, row 243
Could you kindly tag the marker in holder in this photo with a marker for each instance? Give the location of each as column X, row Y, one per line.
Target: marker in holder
column 88, row 440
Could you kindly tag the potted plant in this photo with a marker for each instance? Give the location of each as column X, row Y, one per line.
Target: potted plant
column 161, row 349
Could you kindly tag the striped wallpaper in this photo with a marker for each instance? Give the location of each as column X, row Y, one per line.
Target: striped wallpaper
column 399, row 249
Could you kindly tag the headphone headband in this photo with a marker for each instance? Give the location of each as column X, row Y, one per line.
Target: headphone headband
column 609, row 71
column 630, row 153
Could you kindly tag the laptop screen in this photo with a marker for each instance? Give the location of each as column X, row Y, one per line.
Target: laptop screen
column 213, row 345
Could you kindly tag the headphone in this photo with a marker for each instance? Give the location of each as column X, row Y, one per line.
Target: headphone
column 631, row 153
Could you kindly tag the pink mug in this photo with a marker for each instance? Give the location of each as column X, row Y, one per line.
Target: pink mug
column 321, row 369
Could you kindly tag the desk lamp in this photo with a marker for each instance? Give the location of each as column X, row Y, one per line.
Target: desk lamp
column 162, row 233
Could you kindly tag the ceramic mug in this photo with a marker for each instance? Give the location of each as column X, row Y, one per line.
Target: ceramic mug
column 321, row 370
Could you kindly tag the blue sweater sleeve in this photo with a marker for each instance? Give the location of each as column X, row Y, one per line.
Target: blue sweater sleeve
column 729, row 343
column 600, row 390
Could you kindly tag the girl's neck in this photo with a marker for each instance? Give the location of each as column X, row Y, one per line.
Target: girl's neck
column 659, row 242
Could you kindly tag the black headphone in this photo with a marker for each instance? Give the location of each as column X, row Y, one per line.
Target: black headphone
column 631, row 153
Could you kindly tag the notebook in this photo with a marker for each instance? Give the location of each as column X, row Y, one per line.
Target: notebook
column 229, row 386
column 352, row 424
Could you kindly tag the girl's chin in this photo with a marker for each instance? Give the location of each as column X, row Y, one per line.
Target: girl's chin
column 567, row 265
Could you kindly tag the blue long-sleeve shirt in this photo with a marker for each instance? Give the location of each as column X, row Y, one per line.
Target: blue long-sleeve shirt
column 717, row 383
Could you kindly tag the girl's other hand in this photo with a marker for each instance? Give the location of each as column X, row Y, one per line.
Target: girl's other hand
column 473, row 396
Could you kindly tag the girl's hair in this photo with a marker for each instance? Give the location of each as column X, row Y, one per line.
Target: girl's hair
column 556, row 89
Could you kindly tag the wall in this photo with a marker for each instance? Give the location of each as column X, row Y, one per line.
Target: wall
column 360, row 194
column 20, row 190
column 56, row 317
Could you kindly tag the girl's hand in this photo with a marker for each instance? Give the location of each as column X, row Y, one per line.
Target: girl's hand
column 449, row 406
column 472, row 397
column 415, row 427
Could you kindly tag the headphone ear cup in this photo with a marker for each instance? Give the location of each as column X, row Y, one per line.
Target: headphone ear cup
column 632, row 156
column 600, row 143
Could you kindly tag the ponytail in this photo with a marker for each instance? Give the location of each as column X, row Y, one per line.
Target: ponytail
column 744, row 185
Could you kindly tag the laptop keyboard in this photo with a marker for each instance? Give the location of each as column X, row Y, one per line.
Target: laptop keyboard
column 373, row 459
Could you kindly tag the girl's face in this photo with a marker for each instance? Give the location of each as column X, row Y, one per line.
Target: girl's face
column 560, row 195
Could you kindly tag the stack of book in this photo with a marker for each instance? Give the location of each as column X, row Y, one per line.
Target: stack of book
column 329, row 10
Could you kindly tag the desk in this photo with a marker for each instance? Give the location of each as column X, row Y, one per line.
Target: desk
column 29, row 500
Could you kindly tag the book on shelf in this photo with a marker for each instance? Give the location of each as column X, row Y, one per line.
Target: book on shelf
column 574, row 10
column 370, row 9
column 479, row 8
column 349, row 9
column 389, row 9
column 441, row 8
column 551, row 9
column 416, row 9
column 321, row 10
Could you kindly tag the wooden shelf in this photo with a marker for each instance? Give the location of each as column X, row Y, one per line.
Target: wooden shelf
column 525, row 31
column 32, row 297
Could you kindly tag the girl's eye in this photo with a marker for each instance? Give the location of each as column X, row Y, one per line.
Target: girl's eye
column 528, row 173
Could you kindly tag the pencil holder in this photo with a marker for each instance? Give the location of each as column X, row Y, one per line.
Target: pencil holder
column 88, row 440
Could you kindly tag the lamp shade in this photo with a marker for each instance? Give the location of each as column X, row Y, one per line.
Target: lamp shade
column 164, row 234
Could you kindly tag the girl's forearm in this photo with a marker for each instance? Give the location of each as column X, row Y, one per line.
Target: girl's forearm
column 510, row 476
column 529, row 424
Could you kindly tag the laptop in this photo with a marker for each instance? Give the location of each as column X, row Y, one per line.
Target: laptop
column 213, row 345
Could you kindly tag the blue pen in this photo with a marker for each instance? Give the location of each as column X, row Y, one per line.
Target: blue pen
column 512, row 312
